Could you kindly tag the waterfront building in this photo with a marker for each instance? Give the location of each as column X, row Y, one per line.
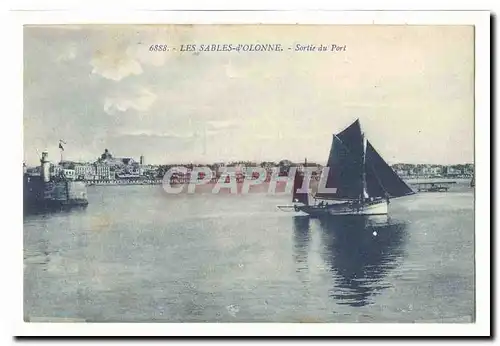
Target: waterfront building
column 412, row 171
column 69, row 174
column 134, row 169
column 79, row 170
column 453, row 171
column 436, row 170
column 108, row 159
column 102, row 171
column 56, row 170
column 106, row 155
column 67, row 164
column 468, row 171
column 284, row 166
column 117, row 161
column 85, row 171
column 424, row 170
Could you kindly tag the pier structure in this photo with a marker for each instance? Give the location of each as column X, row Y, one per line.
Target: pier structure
column 43, row 192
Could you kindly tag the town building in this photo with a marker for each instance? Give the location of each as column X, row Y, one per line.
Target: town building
column 103, row 171
column 85, row 172
column 435, row 170
column 56, row 170
column 69, row 174
column 453, row 171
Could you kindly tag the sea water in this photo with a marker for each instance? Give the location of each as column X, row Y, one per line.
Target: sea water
column 137, row 254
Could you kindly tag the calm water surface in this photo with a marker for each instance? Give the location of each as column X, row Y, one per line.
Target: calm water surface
column 139, row 255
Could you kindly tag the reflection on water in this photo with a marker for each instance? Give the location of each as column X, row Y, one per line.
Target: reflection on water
column 136, row 256
column 359, row 251
column 302, row 236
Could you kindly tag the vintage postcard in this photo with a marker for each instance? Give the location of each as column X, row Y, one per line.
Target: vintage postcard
column 289, row 173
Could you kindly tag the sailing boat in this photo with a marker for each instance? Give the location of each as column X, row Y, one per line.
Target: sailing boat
column 364, row 182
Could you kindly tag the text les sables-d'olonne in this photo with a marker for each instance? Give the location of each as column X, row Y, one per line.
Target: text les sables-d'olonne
column 252, row 47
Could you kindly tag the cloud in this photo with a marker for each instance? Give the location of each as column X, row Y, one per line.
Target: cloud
column 119, row 64
column 114, row 66
column 120, row 56
column 139, row 100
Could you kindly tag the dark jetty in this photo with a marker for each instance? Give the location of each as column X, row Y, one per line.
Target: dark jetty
column 54, row 195
column 45, row 193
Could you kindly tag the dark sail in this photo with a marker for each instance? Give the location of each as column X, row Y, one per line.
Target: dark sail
column 352, row 138
column 373, row 186
column 297, row 184
column 346, row 164
column 381, row 179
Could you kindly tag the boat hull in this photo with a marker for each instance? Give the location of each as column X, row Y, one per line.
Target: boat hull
column 340, row 209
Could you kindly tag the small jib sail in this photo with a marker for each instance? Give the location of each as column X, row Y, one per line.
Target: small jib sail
column 357, row 171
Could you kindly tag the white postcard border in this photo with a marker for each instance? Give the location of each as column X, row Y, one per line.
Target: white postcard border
column 12, row 143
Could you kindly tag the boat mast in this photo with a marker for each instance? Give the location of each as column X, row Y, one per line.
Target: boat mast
column 364, row 193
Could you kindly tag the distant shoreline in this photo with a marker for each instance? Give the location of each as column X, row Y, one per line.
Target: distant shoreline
column 436, row 180
column 122, row 182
